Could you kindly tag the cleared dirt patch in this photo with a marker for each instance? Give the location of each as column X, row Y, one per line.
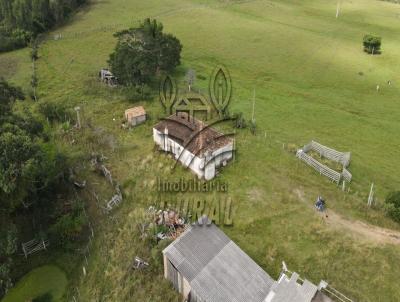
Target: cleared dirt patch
column 366, row 231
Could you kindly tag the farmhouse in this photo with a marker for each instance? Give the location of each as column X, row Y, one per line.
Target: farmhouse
column 204, row 265
column 195, row 144
column 135, row 115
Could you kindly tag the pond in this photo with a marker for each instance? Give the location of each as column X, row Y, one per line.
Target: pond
column 43, row 284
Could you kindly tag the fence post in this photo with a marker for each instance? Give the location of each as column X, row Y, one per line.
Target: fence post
column 371, row 195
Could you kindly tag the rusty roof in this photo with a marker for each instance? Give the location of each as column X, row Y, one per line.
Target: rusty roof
column 193, row 134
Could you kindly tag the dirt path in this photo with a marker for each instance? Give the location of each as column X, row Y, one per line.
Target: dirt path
column 361, row 229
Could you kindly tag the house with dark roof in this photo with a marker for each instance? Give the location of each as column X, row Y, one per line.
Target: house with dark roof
column 193, row 143
column 204, row 265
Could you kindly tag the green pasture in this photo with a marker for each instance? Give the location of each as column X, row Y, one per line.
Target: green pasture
column 312, row 81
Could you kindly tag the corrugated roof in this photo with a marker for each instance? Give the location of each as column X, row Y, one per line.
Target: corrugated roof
column 289, row 290
column 216, row 268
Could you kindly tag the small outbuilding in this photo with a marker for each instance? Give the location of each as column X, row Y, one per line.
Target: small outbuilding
column 135, row 116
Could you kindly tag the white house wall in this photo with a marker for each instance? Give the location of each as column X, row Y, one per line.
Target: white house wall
column 188, row 159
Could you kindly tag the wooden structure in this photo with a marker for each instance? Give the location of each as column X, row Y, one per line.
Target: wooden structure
column 343, row 158
column 114, row 201
column 107, row 77
column 34, row 246
column 135, row 116
column 204, row 265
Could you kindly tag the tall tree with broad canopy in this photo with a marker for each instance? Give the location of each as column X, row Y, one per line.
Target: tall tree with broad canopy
column 143, row 52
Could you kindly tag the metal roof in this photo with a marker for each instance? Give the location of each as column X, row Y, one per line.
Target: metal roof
column 216, row 268
column 289, row 290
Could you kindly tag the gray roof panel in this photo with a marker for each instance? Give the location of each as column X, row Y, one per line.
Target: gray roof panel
column 217, row 269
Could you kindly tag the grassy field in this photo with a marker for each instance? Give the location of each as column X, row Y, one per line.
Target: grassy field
column 312, row 81
column 44, row 280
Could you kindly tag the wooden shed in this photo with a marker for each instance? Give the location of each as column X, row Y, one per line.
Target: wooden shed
column 135, row 116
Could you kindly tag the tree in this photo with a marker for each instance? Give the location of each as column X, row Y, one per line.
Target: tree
column 8, row 247
column 143, row 52
column 28, row 165
column 8, row 94
column 22, row 20
column 372, row 44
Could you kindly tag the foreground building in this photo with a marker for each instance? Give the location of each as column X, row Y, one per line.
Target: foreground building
column 195, row 144
column 204, row 265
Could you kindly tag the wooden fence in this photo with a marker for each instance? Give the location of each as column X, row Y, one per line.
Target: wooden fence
column 321, row 168
column 340, row 157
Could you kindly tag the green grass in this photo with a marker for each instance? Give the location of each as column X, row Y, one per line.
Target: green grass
column 306, row 66
column 43, row 280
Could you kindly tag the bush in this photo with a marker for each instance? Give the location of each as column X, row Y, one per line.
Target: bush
column 10, row 40
column 392, row 205
column 70, row 225
column 55, row 112
column 372, row 44
column 47, row 297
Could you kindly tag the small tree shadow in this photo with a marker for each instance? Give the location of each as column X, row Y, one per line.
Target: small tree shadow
column 46, row 297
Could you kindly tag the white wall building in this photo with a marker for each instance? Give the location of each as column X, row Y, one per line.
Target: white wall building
column 194, row 144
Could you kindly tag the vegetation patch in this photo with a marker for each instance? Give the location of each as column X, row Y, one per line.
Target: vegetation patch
column 44, row 284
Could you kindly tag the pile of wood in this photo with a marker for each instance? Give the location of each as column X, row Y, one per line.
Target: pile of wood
column 174, row 223
column 169, row 218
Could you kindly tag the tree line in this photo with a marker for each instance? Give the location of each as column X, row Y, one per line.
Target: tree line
column 34, row 172
column 22, row 20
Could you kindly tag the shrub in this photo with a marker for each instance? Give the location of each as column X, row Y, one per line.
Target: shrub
column 10, row 40
column 55, row 112
column 372, row 44
column 70, row 225
column 392, row 205
column 47, row 297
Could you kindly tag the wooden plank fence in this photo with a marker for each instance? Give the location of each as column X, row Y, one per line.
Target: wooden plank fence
column 329, row 153
column 322, row 169
column 340, row 157
column 34, row 246
column 346, row 175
